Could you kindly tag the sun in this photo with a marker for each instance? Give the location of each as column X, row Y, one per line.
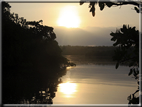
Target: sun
column 69, row 17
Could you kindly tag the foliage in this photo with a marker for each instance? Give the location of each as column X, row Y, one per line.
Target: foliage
column 22, row 87
column 110, row 3
column 127, row 41
column 26, row 43
column 31, row 60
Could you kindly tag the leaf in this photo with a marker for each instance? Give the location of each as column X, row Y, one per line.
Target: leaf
column 129, row 102
column 109, row 4
column 131, row 64
column 117, row 64
column 93, row 13
column 101, row 5
column 134, row 72
column 121, row 29
column 82, row 2
column 136, row 91
column 131, row 71
column 92, row 3
column 92, row 9
column 137, row 10
column 129, row 97
column 40, row 21
column 125, row 27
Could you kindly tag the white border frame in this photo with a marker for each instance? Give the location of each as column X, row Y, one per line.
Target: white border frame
column 99, row 105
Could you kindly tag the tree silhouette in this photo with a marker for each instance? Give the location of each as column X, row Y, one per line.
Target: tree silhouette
column 126, row 39
column 30, row 57
column 26, row 43
column 110, row 4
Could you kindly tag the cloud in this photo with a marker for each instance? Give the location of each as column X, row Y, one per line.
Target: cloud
column 83, row 37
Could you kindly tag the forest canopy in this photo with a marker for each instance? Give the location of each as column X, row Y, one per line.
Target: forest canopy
column 28, row 43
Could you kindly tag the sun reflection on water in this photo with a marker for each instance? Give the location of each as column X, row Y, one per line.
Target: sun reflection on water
column 68, row 88
column 69, row 67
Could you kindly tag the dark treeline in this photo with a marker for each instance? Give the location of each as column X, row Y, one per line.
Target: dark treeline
column 26, row 43
column 98, row 51
column 31, row 60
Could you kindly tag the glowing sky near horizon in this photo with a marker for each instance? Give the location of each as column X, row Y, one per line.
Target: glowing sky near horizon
column 50, row 13
column 79, row 27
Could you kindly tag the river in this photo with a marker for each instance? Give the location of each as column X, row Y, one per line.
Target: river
column 91, row 81
column 95, row 84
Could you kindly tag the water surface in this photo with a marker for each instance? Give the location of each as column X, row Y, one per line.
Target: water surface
column 95, row 84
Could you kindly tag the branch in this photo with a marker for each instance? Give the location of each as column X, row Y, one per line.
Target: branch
column 126, row 3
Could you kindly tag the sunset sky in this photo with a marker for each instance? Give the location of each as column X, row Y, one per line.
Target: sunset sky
column 74, row 24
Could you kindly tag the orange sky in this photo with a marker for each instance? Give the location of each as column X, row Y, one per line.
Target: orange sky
column 90, row 30
column 50, row 13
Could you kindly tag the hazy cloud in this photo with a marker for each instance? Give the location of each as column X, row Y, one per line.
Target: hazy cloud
column 87, row 36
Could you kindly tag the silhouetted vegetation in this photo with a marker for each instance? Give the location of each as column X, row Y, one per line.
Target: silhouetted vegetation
column 31, row 59
column 127, row 40
column 24, row 87
column 110, row 4
column 26, row 43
